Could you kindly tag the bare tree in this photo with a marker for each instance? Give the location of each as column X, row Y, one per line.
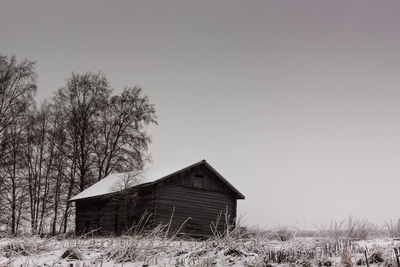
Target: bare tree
column 122, row 142
column 81, row 100
column 57, row 137
column 17, row 87
column 39, row 158
column 49, row 153
column 14, row 188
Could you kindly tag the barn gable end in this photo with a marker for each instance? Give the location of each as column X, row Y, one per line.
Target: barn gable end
column 199, row 177
column 196, row 193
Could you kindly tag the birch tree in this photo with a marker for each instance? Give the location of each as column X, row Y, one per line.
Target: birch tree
column 122, row 142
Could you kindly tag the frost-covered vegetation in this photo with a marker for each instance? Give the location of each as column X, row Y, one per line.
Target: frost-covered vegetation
column 156, row 251
column 240, row 247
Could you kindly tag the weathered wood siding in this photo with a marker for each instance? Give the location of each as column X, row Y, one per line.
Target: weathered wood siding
column 95, row 214
column 197, row 194
column 140, row 201
column 113, row 214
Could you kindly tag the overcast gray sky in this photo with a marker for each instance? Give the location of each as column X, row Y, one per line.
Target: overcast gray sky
column 295, row 102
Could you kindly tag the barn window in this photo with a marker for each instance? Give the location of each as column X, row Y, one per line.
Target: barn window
column 198, row 181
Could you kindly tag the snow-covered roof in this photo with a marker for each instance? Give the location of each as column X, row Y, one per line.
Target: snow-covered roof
column 120, row 181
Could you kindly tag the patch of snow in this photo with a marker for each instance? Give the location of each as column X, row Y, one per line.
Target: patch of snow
column 119, row 181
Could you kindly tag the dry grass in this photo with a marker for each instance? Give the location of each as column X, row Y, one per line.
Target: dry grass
column 359, row 229
column 282, row 233
column 160, row 246
column 346, row 258
column 155, row 249
column 352, row 229
column 22, row 246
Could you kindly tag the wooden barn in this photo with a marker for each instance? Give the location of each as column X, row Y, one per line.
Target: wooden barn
column 197, row 194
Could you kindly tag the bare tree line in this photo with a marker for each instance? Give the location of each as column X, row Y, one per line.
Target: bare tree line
column 51, row 151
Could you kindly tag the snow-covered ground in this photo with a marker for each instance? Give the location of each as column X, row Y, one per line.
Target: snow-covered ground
column 158, row 251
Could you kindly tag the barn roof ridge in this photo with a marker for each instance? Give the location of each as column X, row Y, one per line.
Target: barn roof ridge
column 106, row 186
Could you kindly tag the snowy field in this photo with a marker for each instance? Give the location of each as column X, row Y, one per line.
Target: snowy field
column 228, row 251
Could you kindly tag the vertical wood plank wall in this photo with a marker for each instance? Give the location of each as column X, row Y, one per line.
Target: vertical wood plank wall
column 203, row 202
